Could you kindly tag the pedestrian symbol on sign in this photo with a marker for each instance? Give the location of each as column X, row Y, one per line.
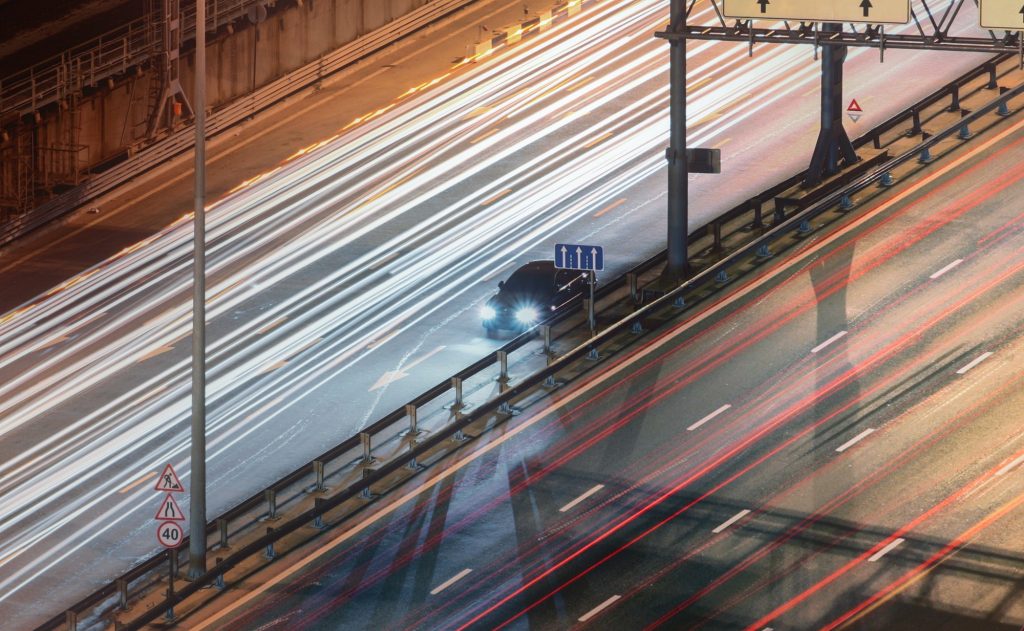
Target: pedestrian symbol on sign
column 168, row 481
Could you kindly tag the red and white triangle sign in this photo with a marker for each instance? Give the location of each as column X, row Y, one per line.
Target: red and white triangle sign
column 168, row 481
column 169, row 510
column 854, row 106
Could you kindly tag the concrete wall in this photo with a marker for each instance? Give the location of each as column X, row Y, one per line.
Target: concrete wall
column 114, row 116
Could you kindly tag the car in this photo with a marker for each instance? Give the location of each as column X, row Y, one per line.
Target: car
column 531, row 294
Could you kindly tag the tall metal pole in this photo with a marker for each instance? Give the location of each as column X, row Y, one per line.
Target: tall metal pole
column 197, row 527
column 678, row 178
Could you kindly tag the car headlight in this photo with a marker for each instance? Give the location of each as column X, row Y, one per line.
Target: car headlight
column 526, row 315
column 487, row 312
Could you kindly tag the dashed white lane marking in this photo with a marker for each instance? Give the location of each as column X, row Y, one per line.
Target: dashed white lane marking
column 709, row 417
column 1011, row 466
column 886, row 550
column 732, row 520
column 974, row 363
column 596, row 610
column 572, row 504
column 853, row 441
column 445, row 585
column 946, row 269
column 828, row 341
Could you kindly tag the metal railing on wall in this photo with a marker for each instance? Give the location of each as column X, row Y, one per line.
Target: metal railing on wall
column 359, row 449
column 108, row 55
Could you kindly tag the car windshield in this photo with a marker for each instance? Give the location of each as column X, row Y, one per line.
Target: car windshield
column 530, row 278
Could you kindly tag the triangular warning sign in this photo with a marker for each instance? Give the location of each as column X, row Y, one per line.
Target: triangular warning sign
column 169, row 510
column 168, row 481
column 854, row 106
column 855, row 117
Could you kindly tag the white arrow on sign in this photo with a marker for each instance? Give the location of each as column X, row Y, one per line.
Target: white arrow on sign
column 169, row 510
column 565, row 251
column 593, row 258
column 170, row 534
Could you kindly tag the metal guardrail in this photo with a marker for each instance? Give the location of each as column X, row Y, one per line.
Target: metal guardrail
column 107, row 55
column 183, row 139
column 422, row 448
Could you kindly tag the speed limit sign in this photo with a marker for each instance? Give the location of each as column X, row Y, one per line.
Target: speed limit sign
column 169, row 534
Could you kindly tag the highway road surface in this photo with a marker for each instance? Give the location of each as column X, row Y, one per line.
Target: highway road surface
column 834, row 443
column 348, row 279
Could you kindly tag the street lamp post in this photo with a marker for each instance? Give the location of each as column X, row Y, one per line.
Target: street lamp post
column 197, row 505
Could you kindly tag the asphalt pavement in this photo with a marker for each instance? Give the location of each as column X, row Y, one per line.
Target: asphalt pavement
column 833, row 442
column 348, row 279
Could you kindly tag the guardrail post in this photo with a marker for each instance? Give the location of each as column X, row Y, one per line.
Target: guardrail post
column 219, row 581
column 505, row 407
column 550, row 382
column 992, row 83
column 410, row 412
column 916, row 117
column 270, row 554
column 954, row 95
column 72, row 620
column 318, row 517
column 222, row 527
column 545, row 333
column 366, row 493
column 367, row 458
column 887, row 179
column 758, row 223
column 805, row 228
column 318, row 471
column 634, row 288
column 502, row 367
column 764, row 251
column 458, row 406
column 271, row 496
column 716, row 227
column 1004, row 107
column 122, row 594
column 965, row 130
column 845, row 202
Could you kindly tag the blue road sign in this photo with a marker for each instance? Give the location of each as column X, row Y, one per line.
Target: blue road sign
column 579, row 256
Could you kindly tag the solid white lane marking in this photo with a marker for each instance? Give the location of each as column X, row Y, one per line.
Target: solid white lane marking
column 853, row 441
column 596, row 610
column 1011, row 466
column 886, row 550
column 445, row 585
column 974, row 363
column 946, row 269
column 600, row 381
column 732, row 520
column 828, row 341
column 570, row 505
column 709, row 417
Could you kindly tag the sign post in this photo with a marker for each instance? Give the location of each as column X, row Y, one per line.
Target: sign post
column 586, row 258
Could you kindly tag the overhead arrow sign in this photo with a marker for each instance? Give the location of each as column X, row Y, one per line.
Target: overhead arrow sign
column 870, row 11
column 1001, row 14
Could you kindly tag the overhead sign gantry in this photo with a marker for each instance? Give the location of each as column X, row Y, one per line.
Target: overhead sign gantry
column 869, row 11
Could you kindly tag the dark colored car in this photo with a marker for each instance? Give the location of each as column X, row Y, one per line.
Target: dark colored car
column 530, row 295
